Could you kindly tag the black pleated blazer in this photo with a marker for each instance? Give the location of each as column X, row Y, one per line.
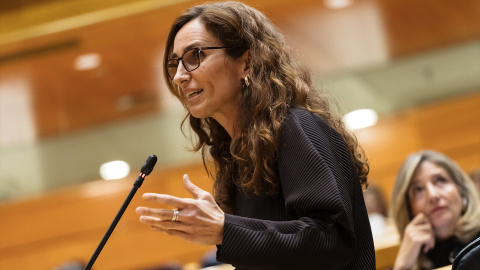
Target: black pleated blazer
column 318, row 219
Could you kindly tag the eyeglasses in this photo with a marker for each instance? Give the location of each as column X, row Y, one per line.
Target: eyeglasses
column 190, row 60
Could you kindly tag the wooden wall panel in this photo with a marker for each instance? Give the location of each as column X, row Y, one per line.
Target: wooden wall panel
column 449, row 125
column 386, row 145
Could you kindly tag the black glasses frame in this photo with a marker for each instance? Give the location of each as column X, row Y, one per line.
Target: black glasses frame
column 199, row 49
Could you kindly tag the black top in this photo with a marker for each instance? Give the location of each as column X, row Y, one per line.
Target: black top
column 318, row 219
column 445, row 251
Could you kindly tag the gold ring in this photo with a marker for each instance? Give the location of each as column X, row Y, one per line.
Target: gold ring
column 175, row 215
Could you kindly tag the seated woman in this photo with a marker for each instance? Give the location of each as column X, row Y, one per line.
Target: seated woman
column 436, row 211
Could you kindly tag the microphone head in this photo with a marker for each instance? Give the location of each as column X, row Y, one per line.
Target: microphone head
column 149, row 164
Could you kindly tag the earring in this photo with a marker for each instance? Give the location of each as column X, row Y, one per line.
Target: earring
column 247, row 80
column 464, row 204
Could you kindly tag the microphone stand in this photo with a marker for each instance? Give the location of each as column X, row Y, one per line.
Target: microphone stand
column 146, row 169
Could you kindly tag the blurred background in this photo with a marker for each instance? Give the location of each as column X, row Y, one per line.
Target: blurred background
column 81, row 85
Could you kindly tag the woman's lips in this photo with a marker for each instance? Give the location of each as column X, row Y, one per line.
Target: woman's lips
column 436, row 209
column 193, row 93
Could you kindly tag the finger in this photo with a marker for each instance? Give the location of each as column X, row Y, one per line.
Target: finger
column 163, row 214
column 157, row 229
column 165, row 199
column 425, row 248
column 152, row 221
column 162, row 225
column 420, row 219
column 425, row 228
column 430, row 244
column 149, row 220
column 174, row 225
column 191, row 188
column 197, row 192
column 427, row 241
column 172, row 232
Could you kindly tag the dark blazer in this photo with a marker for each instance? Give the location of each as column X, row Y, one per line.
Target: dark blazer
column 318, row 220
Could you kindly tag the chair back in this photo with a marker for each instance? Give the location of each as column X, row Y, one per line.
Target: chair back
column 469, row 257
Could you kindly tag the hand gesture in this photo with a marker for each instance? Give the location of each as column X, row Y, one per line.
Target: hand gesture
column 418, row 237
column 199, row 220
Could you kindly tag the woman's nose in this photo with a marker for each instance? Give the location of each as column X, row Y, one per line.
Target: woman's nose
column 432, row 192
column 181, row 75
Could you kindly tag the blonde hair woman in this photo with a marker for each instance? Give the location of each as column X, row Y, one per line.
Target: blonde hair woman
column 436, row 210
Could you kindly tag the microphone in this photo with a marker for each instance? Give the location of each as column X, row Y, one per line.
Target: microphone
column 146, row 169
column 144, row 172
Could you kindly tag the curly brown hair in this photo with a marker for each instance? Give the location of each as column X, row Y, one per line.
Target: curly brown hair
column 279, row 81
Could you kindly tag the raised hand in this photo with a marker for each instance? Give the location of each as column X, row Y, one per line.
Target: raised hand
column 418, row 237
column 199, row 220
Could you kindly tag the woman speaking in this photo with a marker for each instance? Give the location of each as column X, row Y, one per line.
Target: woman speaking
column 288, row 175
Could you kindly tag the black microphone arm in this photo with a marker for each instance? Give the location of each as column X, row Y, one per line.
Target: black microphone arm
column 146, row 170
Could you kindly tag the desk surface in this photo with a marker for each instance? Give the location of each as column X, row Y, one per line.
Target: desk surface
column 448, row 267
column 386, row 241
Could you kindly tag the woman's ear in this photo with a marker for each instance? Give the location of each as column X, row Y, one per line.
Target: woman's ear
column 246, row 60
